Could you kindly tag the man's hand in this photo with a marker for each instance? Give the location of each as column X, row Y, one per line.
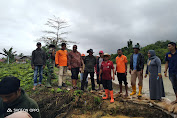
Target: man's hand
column 32, row 67
column 69, row 67
column 58, row 66
column 126, row 73
column 43, row 66
column 99, row 78
column 80, row 69
column 165, row 74
column 160, row 76
column 115, row 72
column 141, row 72
column 130, row 71
column 145, row 76
column 113, row 78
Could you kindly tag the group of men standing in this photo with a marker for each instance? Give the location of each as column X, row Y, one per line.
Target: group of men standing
column 63, row 60
column 75, row 62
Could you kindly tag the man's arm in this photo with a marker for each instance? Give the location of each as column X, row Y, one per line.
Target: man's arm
column 113, row 73
column 100, row 74
column 1, row 109
column 32, row 60
column 57, row 59
column 44, row 59
column 125, row 68
column 142, row 62
column 166, row 68
column 115, row 70
column 95, row 60
column 69, row 61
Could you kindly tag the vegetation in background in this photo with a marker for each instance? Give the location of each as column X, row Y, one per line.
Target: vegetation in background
column 24, row 72
column 9, row 54
column 160, row 48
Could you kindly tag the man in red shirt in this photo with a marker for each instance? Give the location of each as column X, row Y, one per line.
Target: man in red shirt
column 105, row 70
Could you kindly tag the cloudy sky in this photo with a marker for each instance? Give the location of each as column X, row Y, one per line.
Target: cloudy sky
column 99, row 24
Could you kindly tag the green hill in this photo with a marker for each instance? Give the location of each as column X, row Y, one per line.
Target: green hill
column 160, row 48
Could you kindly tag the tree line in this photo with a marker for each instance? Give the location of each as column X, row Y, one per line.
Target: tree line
column 160, row 48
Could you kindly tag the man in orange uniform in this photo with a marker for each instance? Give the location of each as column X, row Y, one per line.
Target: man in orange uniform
column 121, row 68
column 61, row 62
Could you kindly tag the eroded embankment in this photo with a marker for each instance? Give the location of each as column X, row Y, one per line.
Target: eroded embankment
column 76, row 104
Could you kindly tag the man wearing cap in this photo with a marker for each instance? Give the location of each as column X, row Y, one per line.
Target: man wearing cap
column 50, row 60
column 61, row 62
column 171, row 64
column 38, row 63
column 90, row 62
column 136, row 70
column 99, row 61
column 15, row 99
column 74, row 64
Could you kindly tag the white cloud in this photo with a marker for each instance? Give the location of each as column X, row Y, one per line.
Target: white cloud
column 101, row 25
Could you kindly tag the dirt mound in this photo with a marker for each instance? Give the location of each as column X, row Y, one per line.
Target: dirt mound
column 56, row 103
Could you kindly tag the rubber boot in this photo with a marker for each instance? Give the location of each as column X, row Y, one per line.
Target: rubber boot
column 133, row 90
column 48, row 83
column 107, row 94
column 140, row 91
column 112, row 97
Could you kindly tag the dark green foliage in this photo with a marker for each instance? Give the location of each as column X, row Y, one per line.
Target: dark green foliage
column 24, row 72
column 160, row 48
column 97, row 100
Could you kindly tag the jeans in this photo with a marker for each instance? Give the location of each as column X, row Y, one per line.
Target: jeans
column 173, row 79
column 36, row 69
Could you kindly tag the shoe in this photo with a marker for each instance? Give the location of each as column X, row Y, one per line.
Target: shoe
column 112, row 97
column 133, row 90
column 107, row 94
column 60, row 87
column 34, row 88
column 64, row 85
column 140, row 91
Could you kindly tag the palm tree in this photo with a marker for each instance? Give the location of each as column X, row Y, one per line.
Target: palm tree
column 9, row 53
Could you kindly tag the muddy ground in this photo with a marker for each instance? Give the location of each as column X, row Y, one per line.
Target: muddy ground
column 66, row 103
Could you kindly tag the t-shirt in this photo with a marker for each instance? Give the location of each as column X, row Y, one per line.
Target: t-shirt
column 61, row 58
column 172, row 62
column 106, row 70
column 135, row 56
column 121, row 61
column 100, row 61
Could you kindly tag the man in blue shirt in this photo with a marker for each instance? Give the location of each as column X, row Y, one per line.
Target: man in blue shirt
column 171, row 63
column 136, row 70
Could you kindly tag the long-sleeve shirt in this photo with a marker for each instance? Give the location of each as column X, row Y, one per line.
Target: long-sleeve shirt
column 23, row 102
column 38, row 57
column 90, row 62
column 74, row 59
column 61, row 58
